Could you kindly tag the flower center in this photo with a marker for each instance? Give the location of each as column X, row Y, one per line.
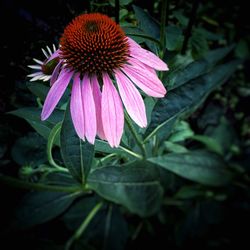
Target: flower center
column 94, row 43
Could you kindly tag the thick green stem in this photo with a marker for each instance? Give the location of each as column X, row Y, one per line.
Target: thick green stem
column 136, row 136
column 84, row 225
column 13, row 182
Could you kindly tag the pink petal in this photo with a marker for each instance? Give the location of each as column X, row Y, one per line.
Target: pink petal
column 146, row 56
column 138, row 64
column 132, row 99
column 98, row 99
column 145, row 80
column 76, row 107
column 55, row 73
column 55, row 93
column 88, row 110
column 112, row 112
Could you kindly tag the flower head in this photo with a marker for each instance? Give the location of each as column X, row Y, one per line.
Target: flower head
column 45, row 68
column 102, row 62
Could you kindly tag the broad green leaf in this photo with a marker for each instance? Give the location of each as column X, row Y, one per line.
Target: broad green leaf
column 197, row 68
column 33, row 117
column 104, row 147
column 188, row 96
column 135, row 186
column 40, row 207
column 149, row 25
column 76, row 153
column 59, row 179
column 138, row 35
column 200, row 166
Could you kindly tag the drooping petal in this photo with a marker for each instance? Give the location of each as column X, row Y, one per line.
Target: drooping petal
column 132, row 99
column 76, row 107
column 88, row 110
column 55, row 73
column 55, row 93
column 138, row 64
column 112, row 112
column 146, row 56
column 98, row 100
column 145, row 80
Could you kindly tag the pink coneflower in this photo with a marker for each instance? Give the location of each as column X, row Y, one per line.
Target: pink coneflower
column 44, row 69
column 100, row 59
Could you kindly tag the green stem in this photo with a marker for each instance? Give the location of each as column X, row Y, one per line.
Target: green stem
column 131, row 152
column 55, row 130
column 163, row 27
column 13, row 182
column 107, row 157
column 84, row 225
column 136, row 136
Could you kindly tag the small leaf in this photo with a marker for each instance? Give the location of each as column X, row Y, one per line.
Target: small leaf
column 135, row 186
column 200, row 166
column 187, row 96
column 40, row 207
column 76, row 153
column 209, row 142
column 189, row 192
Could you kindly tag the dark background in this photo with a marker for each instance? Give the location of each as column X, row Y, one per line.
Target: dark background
column 27, row 26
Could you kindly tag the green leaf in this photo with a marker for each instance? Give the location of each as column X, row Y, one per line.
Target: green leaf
column 40, row 207
column 209, row 142
column 107, row 230
column 189, row 192
column 76, row 153
column 135, row 186
column 59, row 179
column 33, row 117
column 104, row 147
column 198, row 44
column 149, row 25
column 174, row 37
column 197, row 68
column 41, row 90
column 187, row 96
column 181, row 132
column 138, row 35
column 29, row 150
column 174, row 147
column 200, row 166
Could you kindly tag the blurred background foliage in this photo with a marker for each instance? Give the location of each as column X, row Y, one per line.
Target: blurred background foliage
column 192, row 214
